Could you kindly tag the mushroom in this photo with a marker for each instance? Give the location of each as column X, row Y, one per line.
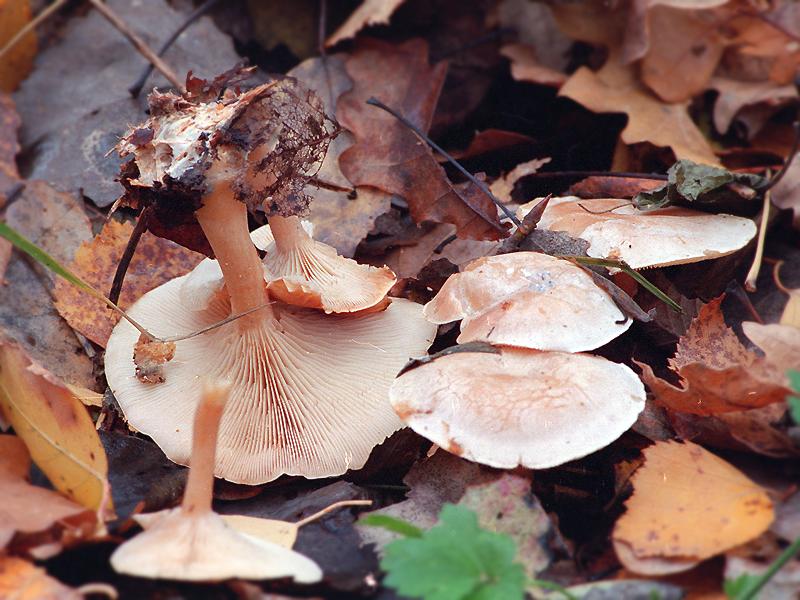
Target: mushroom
column 310, row 390
column 505, row 407
column 304, row 272
column 530, row 300
column 192, row 542
column 656, row 238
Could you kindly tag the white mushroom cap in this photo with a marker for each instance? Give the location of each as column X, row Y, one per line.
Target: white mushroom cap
column 519, row 407
column 202, row 547
column 655, row 238
column 531, row 300
column 310, row 391
column 312, row 274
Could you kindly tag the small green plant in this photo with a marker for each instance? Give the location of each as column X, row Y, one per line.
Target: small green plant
column 794, row 400
column 746, row 586
column 455, row 560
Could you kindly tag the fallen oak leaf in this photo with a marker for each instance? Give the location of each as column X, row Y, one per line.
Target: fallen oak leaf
column 32, row 516
column 615, row 88
column 56, row 428
column 388, row 156
column 688, row 505
column 371, row 12
column 718, row 374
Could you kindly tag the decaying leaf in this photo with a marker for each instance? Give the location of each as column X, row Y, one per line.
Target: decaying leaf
column 659, row 238
column 150, row 356
column 717, row 373
column 614, row 88
column 156, row 261
column 28, row 511
column 735, row 95
column 687, row 505
column 780, row 343
column 341, row 217
column 388, row 156
column 519, row 407
column 529, row 300
column 371, row 12
column 691, row 184
column 56, row 428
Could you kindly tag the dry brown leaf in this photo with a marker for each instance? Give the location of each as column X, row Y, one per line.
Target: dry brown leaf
column 56, row 428
column 526, row 67
column 615, row 88
column 734, row 95
column 688, row 505
column 156, row 261
column 371, row 12
column 503, row 186
column 685, row 48
column 341, row 218
column 388, row 156
column 780, row 343
column 17, row 62
column 29, row 509
column 718, row 374
column 22, row 580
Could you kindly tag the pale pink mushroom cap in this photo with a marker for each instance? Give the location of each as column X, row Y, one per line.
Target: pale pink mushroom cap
column 656, row 238
column 314, row 275
column 530, row 300
column 202, row 547
column 309, row 391
column 519, row 407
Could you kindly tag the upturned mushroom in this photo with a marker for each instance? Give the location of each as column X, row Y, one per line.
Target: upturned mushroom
column 530, row 300
column 309, row 391
column 192, row 542
column 304, row 272
column 657, row 238
column 508, row 407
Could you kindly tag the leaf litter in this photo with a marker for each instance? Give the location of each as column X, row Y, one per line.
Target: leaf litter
column 537, row 464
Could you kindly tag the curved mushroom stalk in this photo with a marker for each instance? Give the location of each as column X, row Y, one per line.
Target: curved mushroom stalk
column 304, row 272
column 309, row 394
column 193, row 543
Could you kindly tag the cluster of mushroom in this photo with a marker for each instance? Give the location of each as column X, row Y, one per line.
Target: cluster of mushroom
column 311, row 360
column 533, row 397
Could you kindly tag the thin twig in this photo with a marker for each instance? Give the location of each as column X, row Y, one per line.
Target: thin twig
column 32, row 24
column 602, row 212
column 127, row 255
column 138, row 43
column 481, row 186
column 331, row 508
column 526, row 227
column 755, row 268
column 198, row 12
column 584, row 174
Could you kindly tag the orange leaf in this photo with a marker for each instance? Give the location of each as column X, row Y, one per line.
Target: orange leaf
column 689, row 505
column 717, row 373
column 156, row 261
column 56, row 429
column 22, row 580
column 28, row 509
column 17, row 62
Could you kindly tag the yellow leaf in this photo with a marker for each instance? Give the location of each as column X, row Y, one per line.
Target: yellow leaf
column 688, row 505
column 282, row 533
column 17, row 62
column 56, row 429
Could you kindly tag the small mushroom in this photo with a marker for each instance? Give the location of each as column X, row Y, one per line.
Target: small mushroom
column 511, row 406
column 310, row 390
column 304, row 272
column 656, row 238
column 192, row 542
column 530, row 300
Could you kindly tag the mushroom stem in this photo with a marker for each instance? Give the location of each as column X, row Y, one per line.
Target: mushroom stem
column 199, row 486
column 224, row 221
column 287, row 231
